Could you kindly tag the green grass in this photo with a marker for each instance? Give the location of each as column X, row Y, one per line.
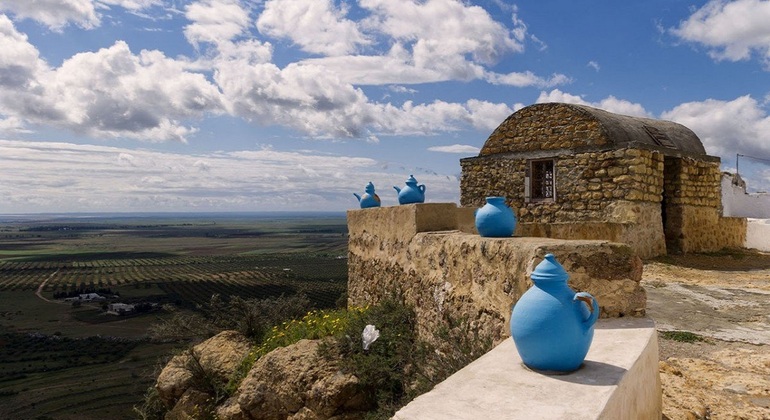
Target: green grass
column 683, row 336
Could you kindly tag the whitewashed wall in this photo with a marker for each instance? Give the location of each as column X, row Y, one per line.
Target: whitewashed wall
column 758, row 234
column 756, row 207
column 737, row 203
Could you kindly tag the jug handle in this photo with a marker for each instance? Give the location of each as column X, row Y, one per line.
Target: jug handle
column 422, row 188
column 593, row 306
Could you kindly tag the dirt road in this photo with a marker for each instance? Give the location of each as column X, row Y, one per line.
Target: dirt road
column 722, row 369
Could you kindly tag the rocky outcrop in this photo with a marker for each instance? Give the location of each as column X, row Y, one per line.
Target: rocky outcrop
column 296, row 382
column 207, row 364
column 293, row 382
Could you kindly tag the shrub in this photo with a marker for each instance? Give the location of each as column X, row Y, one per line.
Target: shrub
column 384, row 367
column 314, row 325
column 250, row 317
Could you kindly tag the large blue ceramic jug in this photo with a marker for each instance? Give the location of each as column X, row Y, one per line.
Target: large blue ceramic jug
column 369, row 199
column 495, row 219
column 411, row 193
column 551, row 325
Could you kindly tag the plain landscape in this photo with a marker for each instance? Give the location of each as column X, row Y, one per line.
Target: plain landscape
column 70, row 359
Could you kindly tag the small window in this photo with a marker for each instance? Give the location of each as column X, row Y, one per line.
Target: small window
column 540, row 181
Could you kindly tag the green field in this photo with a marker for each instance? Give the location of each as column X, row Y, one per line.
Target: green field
column 59, row 361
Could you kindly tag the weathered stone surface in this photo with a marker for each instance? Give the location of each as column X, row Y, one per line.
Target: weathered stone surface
column 464, row 276
column 222, row 354
column 296, row 382
column 218, row 356
column 230, row 410
column 596, row 167
column 174, row 379
column 191, row 406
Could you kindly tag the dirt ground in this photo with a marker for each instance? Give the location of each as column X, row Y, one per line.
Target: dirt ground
column 721, row 369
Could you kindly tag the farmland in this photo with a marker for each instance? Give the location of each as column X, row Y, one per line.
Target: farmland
column 61, row 360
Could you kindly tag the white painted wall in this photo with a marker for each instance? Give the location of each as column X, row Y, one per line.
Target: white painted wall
column 758, row 234
column 737, row 203
column 756, row 207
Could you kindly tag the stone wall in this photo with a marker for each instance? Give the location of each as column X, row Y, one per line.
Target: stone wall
column 701, row 229
column 615, row 195
column 692, row 182
column 587, row 184
column 414, row 253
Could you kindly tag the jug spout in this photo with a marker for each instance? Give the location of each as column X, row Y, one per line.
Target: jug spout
column 357, row 196
column 397, row 189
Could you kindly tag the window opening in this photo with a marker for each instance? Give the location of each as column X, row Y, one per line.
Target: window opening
column 542, row 180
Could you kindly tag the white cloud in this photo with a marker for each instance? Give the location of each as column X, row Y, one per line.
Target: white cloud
column 527, row 79
column 594, row 65
column 315, row 25
column 108, row 93
column 611, row 103
column 456, row 148
column 61, row 177
column 727, row 127
column 54, row 13
column 117, row 93
column 215, row 21
column 440, row 34
column 730, row 30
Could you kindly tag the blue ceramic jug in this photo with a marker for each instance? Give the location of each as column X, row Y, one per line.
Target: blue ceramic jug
column 495, row 219
column 412, row 193
column 369, row 199
column 551, row 325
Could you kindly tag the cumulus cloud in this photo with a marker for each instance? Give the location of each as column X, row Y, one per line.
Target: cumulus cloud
column 58, row 177
column 727, row 127
column 56, row 14
column 115, row 92
column 731, row 30
column 108, row 93
column 215, row 21
column 610, row 103
column 316, row 26
column 456, row 148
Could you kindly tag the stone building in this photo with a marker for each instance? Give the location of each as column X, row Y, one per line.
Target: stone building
column 576, row 172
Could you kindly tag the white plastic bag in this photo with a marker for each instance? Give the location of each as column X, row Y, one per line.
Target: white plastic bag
column 369, row 335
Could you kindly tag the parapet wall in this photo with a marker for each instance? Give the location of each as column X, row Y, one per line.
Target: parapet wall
column 419, row 253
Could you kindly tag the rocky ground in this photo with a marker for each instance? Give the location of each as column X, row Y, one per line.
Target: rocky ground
column 722, row 370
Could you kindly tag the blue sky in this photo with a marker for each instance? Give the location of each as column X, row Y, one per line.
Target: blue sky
column 235, row 105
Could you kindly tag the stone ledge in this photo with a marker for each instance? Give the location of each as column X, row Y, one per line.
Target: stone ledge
column 619, row 380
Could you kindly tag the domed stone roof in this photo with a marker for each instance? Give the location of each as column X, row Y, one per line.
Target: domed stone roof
column 559, row 126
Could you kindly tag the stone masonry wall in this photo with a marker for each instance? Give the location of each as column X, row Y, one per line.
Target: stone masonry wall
column 693, row 182
column 693, row 209
column 587, row 184
column 451, row 275
column 558, row 126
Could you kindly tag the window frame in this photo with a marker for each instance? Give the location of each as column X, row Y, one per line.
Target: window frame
column 529, row 182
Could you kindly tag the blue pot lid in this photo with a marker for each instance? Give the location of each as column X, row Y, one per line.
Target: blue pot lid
column 369, row 187
column 549, row 270
column 411, row 180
